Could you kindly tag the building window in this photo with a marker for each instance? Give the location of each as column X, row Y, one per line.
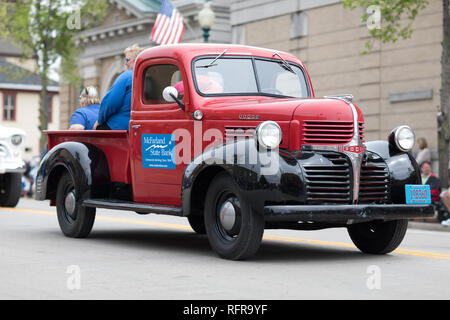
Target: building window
column 238, row 34
column 116, row 18
column 299, row 25
column 9, row 106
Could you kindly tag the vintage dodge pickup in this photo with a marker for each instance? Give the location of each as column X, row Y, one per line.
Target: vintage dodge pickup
column 233, row 138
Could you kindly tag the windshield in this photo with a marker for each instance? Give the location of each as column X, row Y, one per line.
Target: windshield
column 250, row 76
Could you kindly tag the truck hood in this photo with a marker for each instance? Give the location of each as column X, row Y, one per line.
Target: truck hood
column 252, row 109
column 302, row 121
column 276, row 109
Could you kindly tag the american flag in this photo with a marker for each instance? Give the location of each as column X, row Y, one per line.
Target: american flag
column 169, row 27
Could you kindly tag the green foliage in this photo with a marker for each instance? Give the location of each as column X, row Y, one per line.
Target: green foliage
column 397, row 17
column 45, row 29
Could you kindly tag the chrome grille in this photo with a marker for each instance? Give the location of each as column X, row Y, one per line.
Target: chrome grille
column 235, row 133
column 361, row 131
column 4, row 152
column 374, row 184
column 328, row 183
column 327, row 132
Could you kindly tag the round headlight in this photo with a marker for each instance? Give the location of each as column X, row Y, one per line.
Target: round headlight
column 16, row 139
column 404, row 138
column 268, row 134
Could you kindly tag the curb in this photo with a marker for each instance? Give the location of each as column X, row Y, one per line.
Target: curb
column 433, row 226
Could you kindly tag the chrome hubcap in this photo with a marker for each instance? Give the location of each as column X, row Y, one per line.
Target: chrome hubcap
column 227, row 215
column 69, row 204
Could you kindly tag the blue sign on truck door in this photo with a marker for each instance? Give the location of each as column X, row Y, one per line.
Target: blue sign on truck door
column 158, row 151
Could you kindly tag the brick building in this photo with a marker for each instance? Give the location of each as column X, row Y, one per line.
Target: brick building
column 394, row 84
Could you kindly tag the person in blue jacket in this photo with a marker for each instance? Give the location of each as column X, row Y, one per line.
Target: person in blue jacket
column 115, row 108
column 85, row 117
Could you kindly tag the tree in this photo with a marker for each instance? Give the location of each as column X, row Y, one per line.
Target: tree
column 391, row 30
column 45, row 30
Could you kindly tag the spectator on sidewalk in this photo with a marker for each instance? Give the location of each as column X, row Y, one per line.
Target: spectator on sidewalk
column 429, row 178
column 424, row 153
column 446, row 200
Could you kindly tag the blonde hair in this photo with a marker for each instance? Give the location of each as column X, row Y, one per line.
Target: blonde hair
column 88, row 96
column 134, row 50
column 422, row 143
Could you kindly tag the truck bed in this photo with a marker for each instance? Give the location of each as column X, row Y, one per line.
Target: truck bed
column 114, row 143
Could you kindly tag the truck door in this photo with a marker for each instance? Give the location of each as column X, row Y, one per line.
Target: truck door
column 155, row 172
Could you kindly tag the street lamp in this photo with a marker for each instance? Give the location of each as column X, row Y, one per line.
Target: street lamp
column 206, row 19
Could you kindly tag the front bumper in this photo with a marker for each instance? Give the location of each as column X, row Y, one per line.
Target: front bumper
column 347, row 214
column 11, row 169
column 11, row 165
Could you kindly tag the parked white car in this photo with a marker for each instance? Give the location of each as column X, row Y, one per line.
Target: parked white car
column 11, row 165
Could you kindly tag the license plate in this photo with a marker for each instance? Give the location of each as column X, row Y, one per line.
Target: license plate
column 417, row 194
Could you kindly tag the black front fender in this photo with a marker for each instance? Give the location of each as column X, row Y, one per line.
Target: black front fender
column 86, row 163
column 403, row 168
column 262, row 177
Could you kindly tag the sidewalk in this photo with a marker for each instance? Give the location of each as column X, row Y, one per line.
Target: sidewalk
column 430, row 224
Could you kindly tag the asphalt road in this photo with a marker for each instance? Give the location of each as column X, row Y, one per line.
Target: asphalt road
column 128, row 256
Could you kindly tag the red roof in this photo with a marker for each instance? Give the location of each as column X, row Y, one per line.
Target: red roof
column 188, row 51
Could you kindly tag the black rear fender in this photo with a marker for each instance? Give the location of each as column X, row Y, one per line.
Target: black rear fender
column 87, row 165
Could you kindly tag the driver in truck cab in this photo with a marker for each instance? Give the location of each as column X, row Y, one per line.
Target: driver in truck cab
column 114, row 113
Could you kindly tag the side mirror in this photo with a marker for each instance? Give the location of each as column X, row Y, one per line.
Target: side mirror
column 170, row 94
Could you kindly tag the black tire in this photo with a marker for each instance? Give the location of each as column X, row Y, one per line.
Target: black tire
column 10, row 189
column 197, row 223
column 243, row 239
column 378, row 237
column 77, row 221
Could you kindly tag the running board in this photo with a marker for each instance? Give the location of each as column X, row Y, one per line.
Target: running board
column 133, row 206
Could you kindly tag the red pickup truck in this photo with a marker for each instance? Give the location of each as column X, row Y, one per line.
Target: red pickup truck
column 232, row 138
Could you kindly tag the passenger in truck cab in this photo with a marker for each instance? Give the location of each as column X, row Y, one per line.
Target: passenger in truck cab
column 85, row 117
column 115, row 108
column 208, row 83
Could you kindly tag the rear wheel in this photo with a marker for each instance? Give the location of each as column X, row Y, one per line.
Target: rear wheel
column 10, row 189
column 234, row 229
column 74, row 220
column 378, row 237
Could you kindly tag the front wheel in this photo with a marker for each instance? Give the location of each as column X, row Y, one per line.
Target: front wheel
column 74, row 220
column 234, row 229
column 197, row 223
column 378, row 237
column 10, row 189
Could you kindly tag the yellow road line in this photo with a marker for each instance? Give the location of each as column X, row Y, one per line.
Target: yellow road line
column 111, row 219
column 349, row 245
column 266, row 237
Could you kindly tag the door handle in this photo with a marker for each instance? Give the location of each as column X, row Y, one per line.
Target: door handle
column 136, row 126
